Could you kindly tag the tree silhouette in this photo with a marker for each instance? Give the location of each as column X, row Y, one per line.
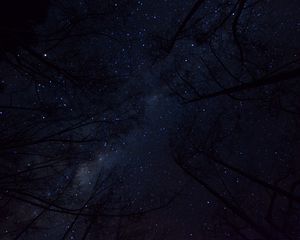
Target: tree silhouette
column 61, row 103
column 236, row 84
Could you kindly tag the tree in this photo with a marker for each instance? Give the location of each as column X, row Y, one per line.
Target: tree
column 61, row 103
column 239, row 79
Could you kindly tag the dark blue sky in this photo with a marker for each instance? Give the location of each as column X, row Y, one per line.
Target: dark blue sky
column 170, row 99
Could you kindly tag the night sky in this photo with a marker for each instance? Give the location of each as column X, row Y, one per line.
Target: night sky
column 150, row 119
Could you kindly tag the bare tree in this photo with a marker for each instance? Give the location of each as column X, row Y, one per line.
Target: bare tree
column 228, row 70
column 62, row 103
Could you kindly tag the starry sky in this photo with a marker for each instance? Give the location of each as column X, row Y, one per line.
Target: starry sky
column 150, row 119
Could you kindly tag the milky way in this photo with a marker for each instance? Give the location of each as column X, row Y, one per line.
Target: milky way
column 149, row 119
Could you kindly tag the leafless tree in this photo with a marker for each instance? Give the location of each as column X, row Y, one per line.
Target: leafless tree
column 227, row 70
column 62, row 103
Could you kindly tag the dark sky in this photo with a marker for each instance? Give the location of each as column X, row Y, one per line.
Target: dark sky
column 90, row 89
